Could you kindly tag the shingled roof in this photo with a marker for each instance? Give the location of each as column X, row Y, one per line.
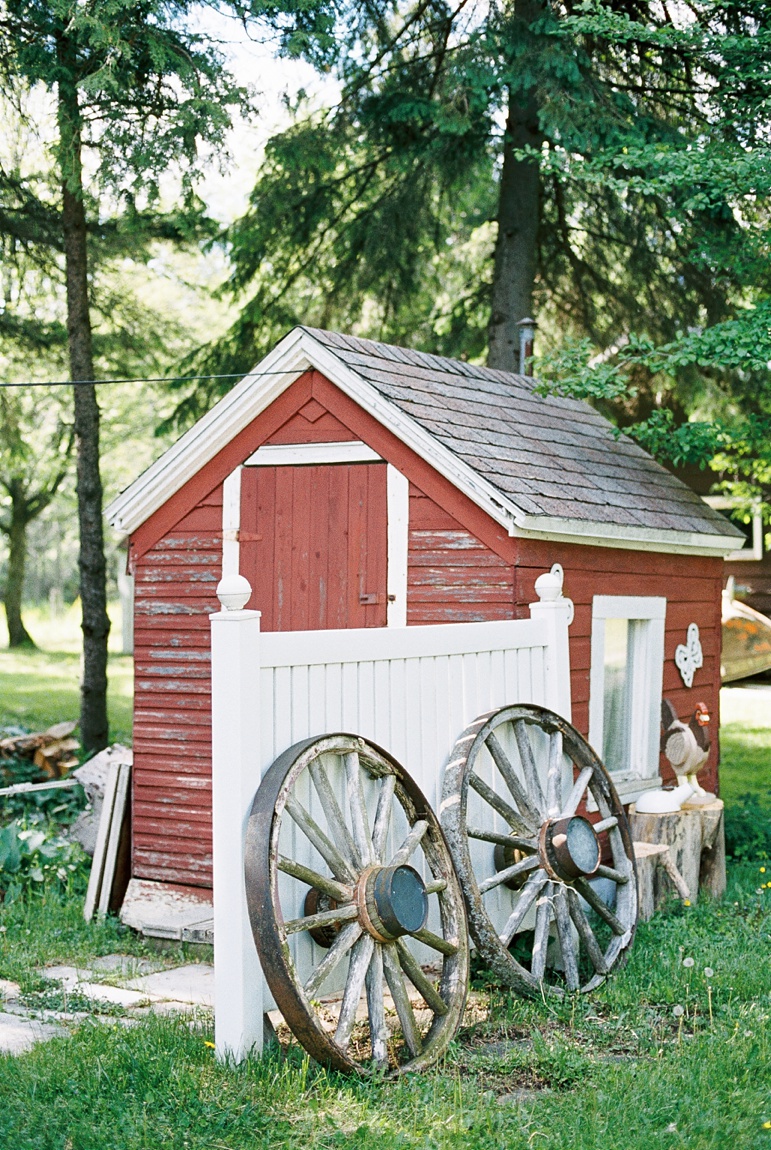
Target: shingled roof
column 551, row 456
column 540, row 464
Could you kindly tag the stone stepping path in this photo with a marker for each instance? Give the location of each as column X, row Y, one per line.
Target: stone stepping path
column 136, row 985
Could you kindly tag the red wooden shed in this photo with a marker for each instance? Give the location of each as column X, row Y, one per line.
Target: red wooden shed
column 357, row 484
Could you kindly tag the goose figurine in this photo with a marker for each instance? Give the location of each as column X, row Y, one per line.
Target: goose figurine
column 686, row 746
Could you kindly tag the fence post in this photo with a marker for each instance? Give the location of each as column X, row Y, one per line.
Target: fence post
column 555, row 612
column 235, row 682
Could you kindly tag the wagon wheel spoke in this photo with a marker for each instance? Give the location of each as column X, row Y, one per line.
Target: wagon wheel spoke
column 596, row 903
column 525, row 807
column 336, row 953
column 357, row 972
column 602, row 803
column 593, row 948
column 554, row 774
column 402, row 1002
column 336, row 890
column 443, row 945
column 410, row 844
column 332, row 813
column 424, row 987
column 522, row 844
column 508, row 873
column 437, row 886
column 376, row 1008
column 382, row 819
column 355, row 795
column 577, row 792
column 343, row 870
column 606, row 824
column 323, row 918
column 344, row 935
column 504, row 809
column 537, row 875
column 531, row 889
column 541, row 936
column 618, row 850
column 565, row 935
column 528, row 765
column 611, row 873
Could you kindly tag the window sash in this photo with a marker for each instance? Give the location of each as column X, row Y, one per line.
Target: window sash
column 638, row 769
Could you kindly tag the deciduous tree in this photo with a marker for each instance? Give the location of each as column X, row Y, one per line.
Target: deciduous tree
column 138, row 92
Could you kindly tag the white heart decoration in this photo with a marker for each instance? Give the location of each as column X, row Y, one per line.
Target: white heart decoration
column 689, row 658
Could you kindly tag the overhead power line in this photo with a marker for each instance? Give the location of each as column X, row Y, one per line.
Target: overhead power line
column 148, row 379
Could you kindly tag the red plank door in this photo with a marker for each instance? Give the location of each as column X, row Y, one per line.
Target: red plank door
column 314, row 545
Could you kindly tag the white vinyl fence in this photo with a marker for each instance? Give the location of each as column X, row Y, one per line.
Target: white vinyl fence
column 412, row 690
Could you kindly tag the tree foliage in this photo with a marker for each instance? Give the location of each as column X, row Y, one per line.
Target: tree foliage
column 137, row 91
column 648, row 128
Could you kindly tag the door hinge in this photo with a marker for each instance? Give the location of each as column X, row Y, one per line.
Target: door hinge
column 370, row 599
column 235, row 535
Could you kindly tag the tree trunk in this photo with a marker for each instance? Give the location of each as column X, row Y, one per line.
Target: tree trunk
column 91, row 563
column 18, row 635
column 516, row 245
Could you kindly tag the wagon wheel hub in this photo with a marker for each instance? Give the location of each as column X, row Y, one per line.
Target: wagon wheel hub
column 569, row 848
column 392, row 901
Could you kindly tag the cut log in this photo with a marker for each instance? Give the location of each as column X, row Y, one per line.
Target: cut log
column 650, row 858
column 52, row 757
column 712, row 877
column 696, row 843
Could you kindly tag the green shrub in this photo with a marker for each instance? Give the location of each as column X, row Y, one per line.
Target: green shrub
column 748, row 829
column 33, row 852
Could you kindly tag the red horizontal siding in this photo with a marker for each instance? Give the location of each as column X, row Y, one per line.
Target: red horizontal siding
column 452, row 577
column 692, row 587
column 175, row 592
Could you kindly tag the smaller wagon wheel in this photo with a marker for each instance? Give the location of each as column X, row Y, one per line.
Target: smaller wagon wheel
column 551, row 897
column 359, row 923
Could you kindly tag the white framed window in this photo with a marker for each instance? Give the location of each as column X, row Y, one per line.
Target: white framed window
column 625, row 685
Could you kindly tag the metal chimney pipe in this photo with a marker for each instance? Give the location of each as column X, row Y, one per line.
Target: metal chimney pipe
column 527, row 328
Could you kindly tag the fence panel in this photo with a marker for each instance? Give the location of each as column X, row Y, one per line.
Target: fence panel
column 412, row 690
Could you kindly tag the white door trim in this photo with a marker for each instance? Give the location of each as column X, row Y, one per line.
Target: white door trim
column 304, row 454
column 292, row 455
column 398, row 504
column 231, row 522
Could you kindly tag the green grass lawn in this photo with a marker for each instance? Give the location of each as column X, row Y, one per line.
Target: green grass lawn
column 620, row 1070
column 745, row 742
column 41, row 687
column 664, row 1057
column 38, row 688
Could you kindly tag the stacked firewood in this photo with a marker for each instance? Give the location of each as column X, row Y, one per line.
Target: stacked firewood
column 52, row 751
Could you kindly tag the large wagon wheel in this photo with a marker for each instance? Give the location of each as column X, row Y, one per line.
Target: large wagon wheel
column 344, row 908
column 546, row 913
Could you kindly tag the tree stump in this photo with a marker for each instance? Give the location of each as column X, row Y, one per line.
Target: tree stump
column 695, row 839
column 649, row 859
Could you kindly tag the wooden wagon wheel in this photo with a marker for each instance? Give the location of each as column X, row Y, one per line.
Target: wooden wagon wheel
column 545, row 912
column 365, row 908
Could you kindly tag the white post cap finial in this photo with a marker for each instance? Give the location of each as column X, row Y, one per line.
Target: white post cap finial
column 234, row 592
column 548, row 586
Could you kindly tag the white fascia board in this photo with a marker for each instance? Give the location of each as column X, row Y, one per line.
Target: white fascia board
column 625, row 538
column 209, row 435
column 252, row 395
